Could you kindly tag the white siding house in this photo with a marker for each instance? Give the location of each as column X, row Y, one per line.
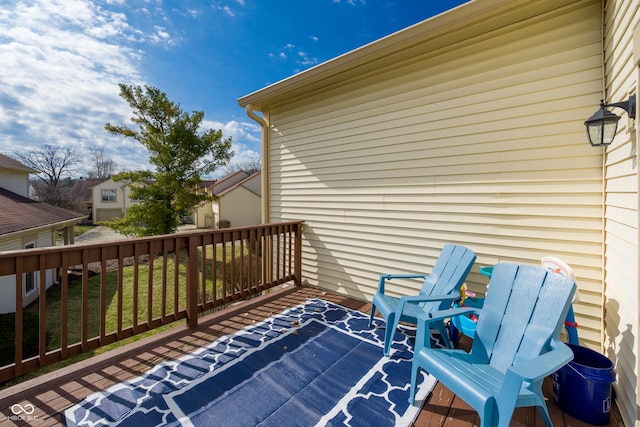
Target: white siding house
column 240, row 203
column 237, row 202
column 620, row 272
column 25, row 224
column 111, row 200
column 469, row 128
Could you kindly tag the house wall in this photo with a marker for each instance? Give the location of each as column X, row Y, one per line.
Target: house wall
column 621, row 269
column 203, row 215
column 15, row 181
column 128, row 201
column 480, row 142
column 240, row 206
column 253, row 183
column 215, row 209
column 43, row 237
column 106, row 210
column 9, row 244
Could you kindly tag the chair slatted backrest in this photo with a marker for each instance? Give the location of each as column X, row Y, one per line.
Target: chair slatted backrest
column 524, row 307
column 448, row 274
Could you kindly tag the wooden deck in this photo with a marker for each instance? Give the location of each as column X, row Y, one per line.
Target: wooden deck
column 52, row 393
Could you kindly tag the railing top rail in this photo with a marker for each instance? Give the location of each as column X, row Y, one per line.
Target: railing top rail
column 132, row 240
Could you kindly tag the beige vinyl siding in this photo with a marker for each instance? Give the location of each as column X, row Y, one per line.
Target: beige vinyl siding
column 10, row 244
column 621, row 209
column 15, row 181
column 481, row 143
column 45, row 238
column 240, row 206
column 8, row 297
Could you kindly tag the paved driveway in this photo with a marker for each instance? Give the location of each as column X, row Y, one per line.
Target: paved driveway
column 99, row 234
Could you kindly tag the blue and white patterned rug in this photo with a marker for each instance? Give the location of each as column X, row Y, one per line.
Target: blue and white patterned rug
column 315, row 364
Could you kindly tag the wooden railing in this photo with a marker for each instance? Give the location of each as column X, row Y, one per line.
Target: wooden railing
column 111, row 291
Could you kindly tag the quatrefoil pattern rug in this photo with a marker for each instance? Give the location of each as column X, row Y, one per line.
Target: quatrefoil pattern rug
column 315, row 364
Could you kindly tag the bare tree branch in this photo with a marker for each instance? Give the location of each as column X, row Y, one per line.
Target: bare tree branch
column 51, row 162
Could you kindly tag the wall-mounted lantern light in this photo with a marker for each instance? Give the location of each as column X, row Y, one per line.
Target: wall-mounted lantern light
column 602, row 126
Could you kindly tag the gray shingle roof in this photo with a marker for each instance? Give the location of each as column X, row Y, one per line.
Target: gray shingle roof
column 21, row 213
column 7, row 162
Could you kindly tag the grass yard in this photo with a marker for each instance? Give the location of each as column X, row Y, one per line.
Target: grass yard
column 130, row 291
column 161, row 284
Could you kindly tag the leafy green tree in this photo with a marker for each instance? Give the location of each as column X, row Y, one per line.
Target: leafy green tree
column 180, row 154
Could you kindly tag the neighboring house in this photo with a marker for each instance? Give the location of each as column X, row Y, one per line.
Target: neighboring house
column 469, row 128
column 111, row 200
column 82, row 193
column 25, row 224
column 237, row 203
column 201, row 215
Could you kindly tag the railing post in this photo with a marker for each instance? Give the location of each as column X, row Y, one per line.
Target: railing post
column 297, row 261
column 192, row 281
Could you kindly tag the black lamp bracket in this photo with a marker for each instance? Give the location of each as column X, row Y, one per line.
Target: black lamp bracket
column 629, row 106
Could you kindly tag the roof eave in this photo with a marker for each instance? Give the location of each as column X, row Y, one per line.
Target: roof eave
column 53, row 226
column 410, row 36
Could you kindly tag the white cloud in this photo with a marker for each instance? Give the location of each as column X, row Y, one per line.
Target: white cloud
column 238, row 131
column 245, row 137
column 161, row 36
column 228, row 11
column 58, row 80
column 62, row 61
column 305, row 60
column 351, row 2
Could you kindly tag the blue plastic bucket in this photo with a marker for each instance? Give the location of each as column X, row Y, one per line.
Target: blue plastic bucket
column 464, row 323
column 582, row 388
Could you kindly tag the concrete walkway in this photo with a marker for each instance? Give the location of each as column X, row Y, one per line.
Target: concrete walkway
column 100, row 233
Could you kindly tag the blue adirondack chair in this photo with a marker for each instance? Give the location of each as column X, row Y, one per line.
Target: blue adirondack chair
column 440, row 288
column 515, row 347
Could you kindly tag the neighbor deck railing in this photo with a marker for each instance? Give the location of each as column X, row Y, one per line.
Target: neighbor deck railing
column 111, row 291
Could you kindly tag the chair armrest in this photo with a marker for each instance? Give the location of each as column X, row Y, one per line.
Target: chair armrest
column 532, row 371
column 385, row 277
column 444, row 314
column 427, row 298
column 405, row 276
column 423, row 320
column 423, row 298
column 544, row 365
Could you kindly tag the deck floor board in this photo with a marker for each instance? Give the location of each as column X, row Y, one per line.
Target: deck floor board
column 54, row 392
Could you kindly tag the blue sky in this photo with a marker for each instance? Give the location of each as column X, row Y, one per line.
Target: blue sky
column 62, row 60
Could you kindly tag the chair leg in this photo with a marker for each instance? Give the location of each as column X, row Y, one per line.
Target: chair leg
column 373, row 312
column 544, row 414
column 415, row 370
column 442, row 328
column 541, row 405
column 392, row 325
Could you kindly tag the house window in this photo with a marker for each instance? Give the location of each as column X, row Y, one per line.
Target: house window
column 30, row 277
column 108, row 195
